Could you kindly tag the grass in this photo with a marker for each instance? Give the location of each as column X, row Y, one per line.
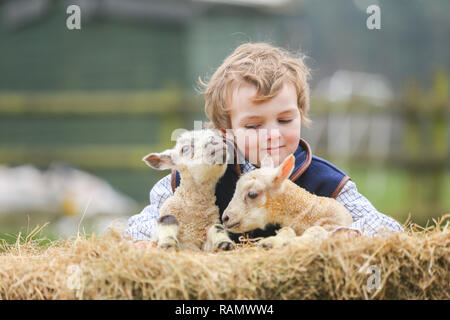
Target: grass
column 412, row 265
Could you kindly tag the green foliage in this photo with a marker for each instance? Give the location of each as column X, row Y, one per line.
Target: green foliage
column 39, row 236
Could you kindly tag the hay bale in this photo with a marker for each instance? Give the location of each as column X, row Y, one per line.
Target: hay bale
column 411, row 265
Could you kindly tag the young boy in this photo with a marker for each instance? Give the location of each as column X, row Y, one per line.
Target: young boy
column 261, row 93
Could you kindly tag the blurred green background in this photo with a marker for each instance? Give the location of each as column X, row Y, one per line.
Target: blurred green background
column 101, row 97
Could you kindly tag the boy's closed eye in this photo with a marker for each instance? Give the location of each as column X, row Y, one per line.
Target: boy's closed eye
column 256, row 126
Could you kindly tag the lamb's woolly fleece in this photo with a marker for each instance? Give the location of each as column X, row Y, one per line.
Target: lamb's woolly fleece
column 299, row 209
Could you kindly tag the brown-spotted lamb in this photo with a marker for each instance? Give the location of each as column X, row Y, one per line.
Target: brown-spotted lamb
column 190, row 218
column 266, row 195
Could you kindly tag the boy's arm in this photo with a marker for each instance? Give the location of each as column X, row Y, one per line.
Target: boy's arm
column 142, row 226
column 366, row 219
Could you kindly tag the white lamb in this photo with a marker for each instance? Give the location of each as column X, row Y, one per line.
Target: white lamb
column 266, row 195
column 190, row 218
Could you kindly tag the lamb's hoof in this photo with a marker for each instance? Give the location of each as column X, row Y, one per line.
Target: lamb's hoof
column 225, row 246
column 169, row 244
column 266, row 245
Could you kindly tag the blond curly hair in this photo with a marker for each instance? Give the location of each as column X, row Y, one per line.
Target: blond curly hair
column 262, row 65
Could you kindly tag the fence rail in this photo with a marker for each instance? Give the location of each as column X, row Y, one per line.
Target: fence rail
column 88, row 103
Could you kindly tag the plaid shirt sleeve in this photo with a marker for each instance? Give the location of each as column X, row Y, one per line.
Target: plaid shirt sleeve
column 142, row 226
column 366, row 219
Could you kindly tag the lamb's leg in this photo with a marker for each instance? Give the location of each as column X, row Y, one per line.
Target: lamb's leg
column 217, row 239
column 314, row 234
column 284, row 236
column 167, row 232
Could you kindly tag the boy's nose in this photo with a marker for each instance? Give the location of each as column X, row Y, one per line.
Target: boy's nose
column 273, row 134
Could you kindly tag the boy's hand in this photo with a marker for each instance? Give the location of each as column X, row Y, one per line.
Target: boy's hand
column 142, row 243
column 347, row 233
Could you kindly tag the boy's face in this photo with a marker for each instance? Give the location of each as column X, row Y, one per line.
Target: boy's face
column 271, row 127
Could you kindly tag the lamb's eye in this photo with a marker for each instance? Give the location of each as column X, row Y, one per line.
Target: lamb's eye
column 185, row 149
column 252, row 195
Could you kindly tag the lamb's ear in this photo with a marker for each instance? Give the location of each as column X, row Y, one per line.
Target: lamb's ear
column 160, row 161
column 266, row 162
column 284, row 170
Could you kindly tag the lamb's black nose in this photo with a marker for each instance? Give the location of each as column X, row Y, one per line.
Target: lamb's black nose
column 225, row 218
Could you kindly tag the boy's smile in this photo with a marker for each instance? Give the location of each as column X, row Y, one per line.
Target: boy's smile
column 271, row 127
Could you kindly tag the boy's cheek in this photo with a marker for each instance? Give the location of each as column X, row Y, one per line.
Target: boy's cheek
column 292, row 142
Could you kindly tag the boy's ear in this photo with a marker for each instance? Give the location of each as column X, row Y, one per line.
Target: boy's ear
column 284, row 170
column 159, row 161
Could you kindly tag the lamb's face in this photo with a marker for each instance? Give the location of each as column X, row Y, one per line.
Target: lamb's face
column 202, row 154
column 247, row 209
column 252, row 206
